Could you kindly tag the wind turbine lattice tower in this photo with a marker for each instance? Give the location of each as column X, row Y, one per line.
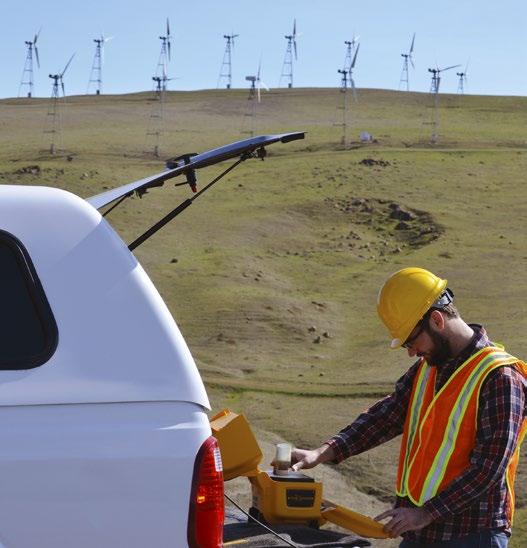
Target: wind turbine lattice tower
column 343, row 105
column 97, row 64
column 226, row 65
column 54, row 126
column 27, row 73
column 434, row 90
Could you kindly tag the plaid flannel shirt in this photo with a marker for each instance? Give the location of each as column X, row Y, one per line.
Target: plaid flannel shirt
column 477, row 499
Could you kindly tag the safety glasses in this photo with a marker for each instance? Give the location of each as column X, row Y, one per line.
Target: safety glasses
column 408, row 343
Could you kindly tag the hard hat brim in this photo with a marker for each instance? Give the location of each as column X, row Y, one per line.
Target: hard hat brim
column 396, row 343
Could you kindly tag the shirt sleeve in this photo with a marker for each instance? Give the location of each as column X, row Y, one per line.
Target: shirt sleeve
column 500, row 416
column 383, row 421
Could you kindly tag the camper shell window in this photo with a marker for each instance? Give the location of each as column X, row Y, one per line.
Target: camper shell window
column 28, row 331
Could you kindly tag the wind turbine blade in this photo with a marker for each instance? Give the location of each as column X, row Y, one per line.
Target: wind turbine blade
column 296, row 53
column 168, row 44
column 353, row 89
column 36, row 36
column 108, row 39
column 448, row 68
column 411, row 61
column 264, row 85
column 466, row 67
column 355, row 57
column 67, row 65
column 259, row 69
column 63, row 90
column 168, row 28
column 36, row 55
column 258, row 92
column 294, row 28
column 412, row 46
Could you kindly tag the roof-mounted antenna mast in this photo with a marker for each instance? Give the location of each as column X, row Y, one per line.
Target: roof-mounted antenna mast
column 408, row 56
column 287, row 67
column 27, row 73
column 97, row 64
column 54, row 126
column 226, row 65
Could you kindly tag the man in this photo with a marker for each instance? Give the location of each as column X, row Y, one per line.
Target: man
column 462, row 411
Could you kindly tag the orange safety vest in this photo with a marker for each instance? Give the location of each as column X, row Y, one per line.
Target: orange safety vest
column 440, row 429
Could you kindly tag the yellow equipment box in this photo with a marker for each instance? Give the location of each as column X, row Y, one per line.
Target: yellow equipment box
column 291, row 498
column 288, row 497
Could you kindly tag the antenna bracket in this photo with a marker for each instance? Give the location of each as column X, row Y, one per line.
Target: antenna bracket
column 261, row 153
column 173, row 163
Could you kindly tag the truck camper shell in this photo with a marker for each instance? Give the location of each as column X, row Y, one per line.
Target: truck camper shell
column 109, row 315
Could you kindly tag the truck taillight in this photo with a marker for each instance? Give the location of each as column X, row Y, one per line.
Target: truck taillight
column 207, row 511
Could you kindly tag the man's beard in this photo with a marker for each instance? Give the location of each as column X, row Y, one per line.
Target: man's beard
column 441, row 351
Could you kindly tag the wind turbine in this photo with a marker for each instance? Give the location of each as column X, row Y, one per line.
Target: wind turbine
column 256, row 84
column 344, row 79
column 462, row 80
column 436, row 77
column 28, row 65
column 434, row 88
column 226, row 65
column 160, row 83
column 287, row 67
column 344, row 105
column 164, row 56
column 98, row 61
column 405, row 73
column 53, row 110
column 254, row 96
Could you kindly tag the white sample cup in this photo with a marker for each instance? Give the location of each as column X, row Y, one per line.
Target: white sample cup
column 282, row 459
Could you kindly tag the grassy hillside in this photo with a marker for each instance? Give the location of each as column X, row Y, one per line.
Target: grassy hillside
column 273, row 274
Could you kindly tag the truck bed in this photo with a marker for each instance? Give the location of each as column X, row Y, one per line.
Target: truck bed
column 239, row 532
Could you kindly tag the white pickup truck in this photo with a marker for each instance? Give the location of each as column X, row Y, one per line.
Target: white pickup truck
column 104, row 437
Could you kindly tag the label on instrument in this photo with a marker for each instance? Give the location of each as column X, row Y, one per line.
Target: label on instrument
column 300, row 498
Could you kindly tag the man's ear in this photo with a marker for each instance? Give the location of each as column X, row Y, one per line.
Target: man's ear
column 437, row 320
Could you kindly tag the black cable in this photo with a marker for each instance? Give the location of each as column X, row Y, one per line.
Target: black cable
column 260, row 523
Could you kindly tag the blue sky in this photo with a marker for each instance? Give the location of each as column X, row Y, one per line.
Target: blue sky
column 491, row 34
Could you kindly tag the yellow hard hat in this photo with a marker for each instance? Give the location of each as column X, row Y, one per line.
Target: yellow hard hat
column 405, row 298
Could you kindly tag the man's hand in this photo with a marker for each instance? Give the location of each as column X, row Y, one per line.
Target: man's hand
column 404, row 519
column 309, row 458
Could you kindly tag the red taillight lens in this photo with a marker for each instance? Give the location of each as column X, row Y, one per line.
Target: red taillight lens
column 207, row 511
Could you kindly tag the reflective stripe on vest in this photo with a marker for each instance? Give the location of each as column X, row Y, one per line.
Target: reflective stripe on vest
column 416, row 403
column 421, row 470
